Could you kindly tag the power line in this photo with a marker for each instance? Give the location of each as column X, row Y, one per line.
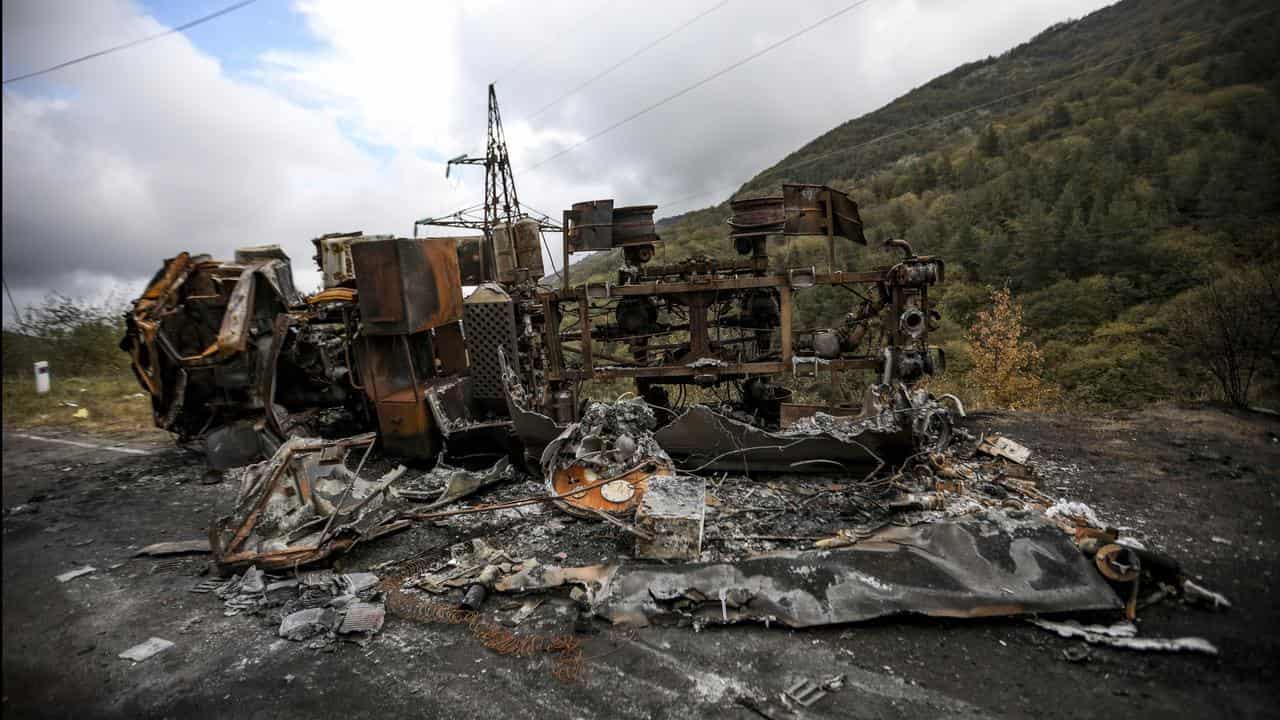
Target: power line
column 132, row 43
column 12, row 305
column 628, row 58
column 958, row 113
column 733, row 66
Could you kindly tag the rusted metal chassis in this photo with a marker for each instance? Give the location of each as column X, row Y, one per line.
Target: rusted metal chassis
column 582, row 295
column 149, row 348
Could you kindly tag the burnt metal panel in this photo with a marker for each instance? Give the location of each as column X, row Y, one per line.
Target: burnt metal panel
column 791, row 413
column 590, row 226
column 450, row 349
column 815, row 209
column 333, row 255
column 705, row 440
column 406, row 425
column 234, row 332
column 407, row 285
column 469, row 258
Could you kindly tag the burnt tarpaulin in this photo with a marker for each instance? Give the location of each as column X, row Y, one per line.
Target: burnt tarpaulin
column 704, row 440
column 989, row 564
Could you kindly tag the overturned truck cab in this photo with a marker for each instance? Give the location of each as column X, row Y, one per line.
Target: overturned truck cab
column 235, row 358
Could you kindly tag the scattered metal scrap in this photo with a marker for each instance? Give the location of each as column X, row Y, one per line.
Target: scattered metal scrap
column 317, row 606
column 303, row 505
column 1005, row 448
column 70, row 575
column 806, row 692
column 178, row 547
column 146, row 650
column 1124, row 635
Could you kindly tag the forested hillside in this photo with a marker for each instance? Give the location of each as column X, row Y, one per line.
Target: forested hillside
column 1120, row 174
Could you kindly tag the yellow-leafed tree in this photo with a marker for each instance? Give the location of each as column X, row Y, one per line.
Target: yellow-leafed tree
column 1006, row 364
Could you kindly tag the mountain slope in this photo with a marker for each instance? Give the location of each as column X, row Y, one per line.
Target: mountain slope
column 1105, row 171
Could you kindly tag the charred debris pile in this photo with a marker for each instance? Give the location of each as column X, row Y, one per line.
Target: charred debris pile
column 760, row 509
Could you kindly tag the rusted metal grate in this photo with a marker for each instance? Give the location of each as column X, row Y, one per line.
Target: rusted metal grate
column 488, row 326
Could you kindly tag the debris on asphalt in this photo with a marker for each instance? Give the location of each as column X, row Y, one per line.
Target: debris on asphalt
column 1076, row 512
column 321, row 604
column 177, row 547
column 1200, row 594
column 145, row 650
column 804, row 693
column 307, row 623
column 208, row 586
column 612, row 448
column 362, row 619
column 1125, row 635
column 1005, row 448
column 302, row 506
column 444, row 485
column 73, row 574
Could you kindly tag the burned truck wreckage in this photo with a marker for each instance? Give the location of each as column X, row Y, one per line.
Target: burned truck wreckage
column 232, row 354
column 740, row 504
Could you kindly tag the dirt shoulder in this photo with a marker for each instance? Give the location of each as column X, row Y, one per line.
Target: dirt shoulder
column 112, row 405
column 1177, row 477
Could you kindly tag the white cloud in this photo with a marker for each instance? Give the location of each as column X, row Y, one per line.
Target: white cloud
column 143, row 153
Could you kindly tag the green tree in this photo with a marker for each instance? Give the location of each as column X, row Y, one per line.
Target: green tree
column 989, row 142
column 1230, row 327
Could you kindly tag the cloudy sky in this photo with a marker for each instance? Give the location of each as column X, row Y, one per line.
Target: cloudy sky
column 287, row 119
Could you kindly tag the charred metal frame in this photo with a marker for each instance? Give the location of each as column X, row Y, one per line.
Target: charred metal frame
column 697, row 287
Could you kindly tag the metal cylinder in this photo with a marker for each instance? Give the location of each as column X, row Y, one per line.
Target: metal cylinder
column 527, row 243
column 632, row 223
column 826, row 343
column 912, row 323
column 504, row 252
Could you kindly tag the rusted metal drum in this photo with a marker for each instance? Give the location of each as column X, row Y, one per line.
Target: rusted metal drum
column 757, row 216
column 633, row 224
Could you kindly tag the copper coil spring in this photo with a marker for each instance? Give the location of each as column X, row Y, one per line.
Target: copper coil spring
column 568, row 666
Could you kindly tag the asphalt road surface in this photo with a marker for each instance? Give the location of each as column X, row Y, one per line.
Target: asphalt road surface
column 1199, row 484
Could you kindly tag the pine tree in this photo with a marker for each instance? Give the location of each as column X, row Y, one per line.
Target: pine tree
column 989, row 142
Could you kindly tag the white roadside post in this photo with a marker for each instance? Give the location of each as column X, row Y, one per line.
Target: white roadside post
column 42, row 377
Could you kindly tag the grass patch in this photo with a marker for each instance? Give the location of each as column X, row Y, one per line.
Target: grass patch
column 115, row 403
